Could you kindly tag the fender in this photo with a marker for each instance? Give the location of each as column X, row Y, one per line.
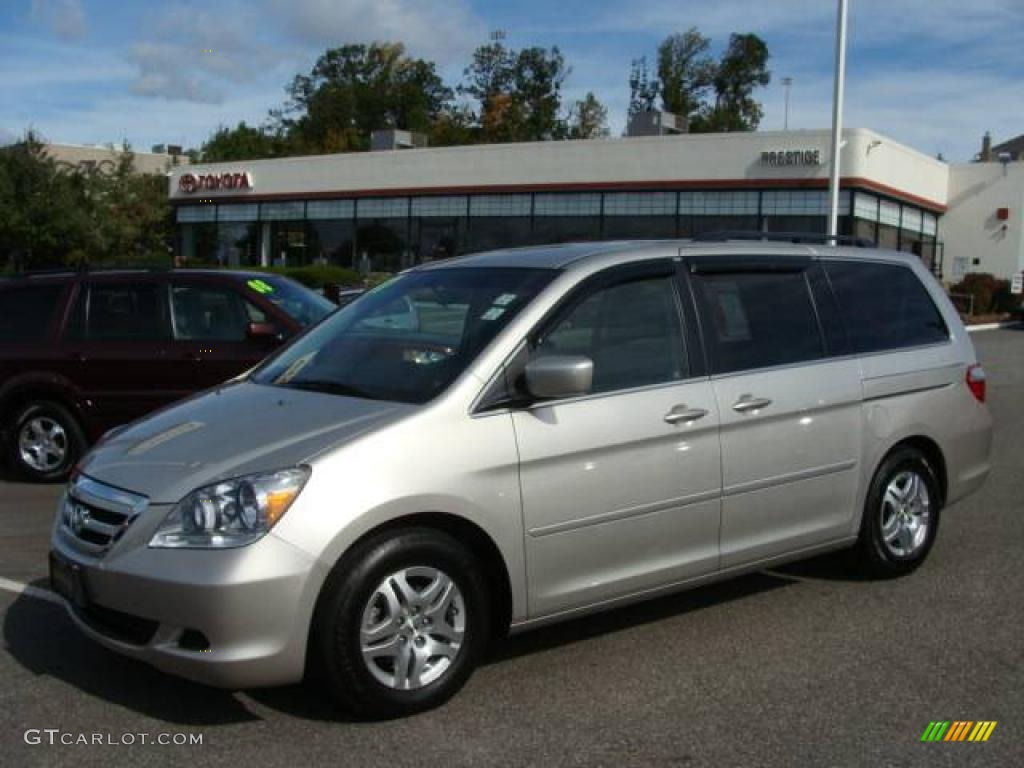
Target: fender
column 43, row 384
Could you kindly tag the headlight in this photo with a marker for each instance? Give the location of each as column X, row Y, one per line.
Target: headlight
column 231, row 513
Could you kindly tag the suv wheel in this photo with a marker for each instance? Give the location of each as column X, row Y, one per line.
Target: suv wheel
column 400, row 624
column 901, row 515
column 46, row 441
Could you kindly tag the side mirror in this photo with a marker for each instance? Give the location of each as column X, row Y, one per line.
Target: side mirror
column 559, row 376
column 262, row 332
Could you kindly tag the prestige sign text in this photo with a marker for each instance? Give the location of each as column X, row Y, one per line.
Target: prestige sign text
column 791, row 157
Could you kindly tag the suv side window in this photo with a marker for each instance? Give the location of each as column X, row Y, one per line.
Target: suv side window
column 757, row 319
column 27, row 310
column 884, row 306
column 210, row 312
column 631, row 330
column 118, row 312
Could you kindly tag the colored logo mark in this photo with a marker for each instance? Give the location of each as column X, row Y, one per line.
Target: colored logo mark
column 958, row 730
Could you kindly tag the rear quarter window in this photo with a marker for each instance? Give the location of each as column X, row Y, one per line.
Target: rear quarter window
column 884, row 306
column 26, row 311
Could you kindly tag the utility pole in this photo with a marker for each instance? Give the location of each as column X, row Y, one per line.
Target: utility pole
column 837, row 121
column 787, row 83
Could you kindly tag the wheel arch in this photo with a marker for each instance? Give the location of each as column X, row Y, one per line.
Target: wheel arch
column 933, row 455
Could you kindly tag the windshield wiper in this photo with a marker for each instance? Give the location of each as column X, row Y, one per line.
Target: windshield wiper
column 330, row 387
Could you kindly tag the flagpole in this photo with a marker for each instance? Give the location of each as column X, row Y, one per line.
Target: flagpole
column 837, row 121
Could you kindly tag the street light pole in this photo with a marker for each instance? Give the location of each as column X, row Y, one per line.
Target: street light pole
column 837, row 121
column 787, row 83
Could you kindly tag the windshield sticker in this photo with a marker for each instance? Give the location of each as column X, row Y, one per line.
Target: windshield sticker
column 505, row 299
column 492, row 314
column 260, row 286
column 293, row 370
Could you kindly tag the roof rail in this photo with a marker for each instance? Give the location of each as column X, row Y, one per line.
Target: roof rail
column 78, row 269
column 784, row 237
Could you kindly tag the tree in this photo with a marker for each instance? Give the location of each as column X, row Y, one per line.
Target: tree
column 355, row 89
column 685, row 71
column 244, row 142
column 588, row 119
column 519, row 93
column 643, row 90
column 742, row 68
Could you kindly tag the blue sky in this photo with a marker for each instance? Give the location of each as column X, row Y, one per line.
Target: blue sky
column 935, row 74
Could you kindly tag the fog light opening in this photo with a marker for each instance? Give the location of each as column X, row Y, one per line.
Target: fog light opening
column 193, row 640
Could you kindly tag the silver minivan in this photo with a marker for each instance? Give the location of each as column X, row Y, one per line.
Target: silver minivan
column 512, row 438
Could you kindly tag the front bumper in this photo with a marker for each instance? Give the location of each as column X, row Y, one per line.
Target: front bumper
column 252, row 606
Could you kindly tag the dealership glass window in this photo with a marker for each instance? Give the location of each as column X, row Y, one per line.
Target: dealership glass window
column 439, row 237
column 198, row 243
column 565, row 229
column 912, row 219
column 441, row 205
column 289, row 245
column 639, row 227
column 330, row 209
column 288, row 211
column 737, row 203
column 865, row 206
column 383, row 244
column 930, row 224
column 640, row 204
column 927, row 253
column 242, row 212
column 791, row 223
column 889, row 213
column 491, row 232
column 382, row 208
column 500, row 205
column 567, row 204
column 888, row 236
column 195, row 214
column 865, row 230
column 696, row 225
column 332, row 241
column 237, row 244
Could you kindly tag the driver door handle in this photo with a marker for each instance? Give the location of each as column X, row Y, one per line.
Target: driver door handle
column 748, row 403
column 680, row 414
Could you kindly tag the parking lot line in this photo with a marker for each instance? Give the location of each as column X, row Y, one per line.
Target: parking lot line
column 29, row 591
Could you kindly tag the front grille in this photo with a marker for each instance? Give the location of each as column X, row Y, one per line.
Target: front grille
column 94, row 516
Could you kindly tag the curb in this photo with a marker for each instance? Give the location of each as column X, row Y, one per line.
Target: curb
column 992, row 326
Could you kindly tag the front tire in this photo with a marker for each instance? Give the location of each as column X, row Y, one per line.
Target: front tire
column 401, row 624
column 901, row 515
column 46, row 442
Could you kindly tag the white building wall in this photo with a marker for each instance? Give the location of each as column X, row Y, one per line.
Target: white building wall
column 971, row 228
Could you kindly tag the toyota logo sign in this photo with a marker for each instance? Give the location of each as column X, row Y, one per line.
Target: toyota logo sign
column 190, row 183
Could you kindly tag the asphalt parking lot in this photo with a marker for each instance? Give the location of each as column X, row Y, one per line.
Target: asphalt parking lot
column 800, row 666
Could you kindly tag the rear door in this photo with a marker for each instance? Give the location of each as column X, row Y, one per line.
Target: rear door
column 790, row 404
column 210, row 322
column 620, row 487
column 118, row 341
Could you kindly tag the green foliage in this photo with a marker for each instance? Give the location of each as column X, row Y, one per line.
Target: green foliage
column 355, row 89
column 519, row 93
column 51, row 217
column 685, row 71
column 244, row 142
column 588, row 119
column 742, row 68
column 643, row 89
column 317, row 276
column 991, row 295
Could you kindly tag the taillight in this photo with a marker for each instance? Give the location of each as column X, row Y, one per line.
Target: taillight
column 976, row 381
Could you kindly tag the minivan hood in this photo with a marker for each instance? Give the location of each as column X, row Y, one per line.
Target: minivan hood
column 231, row 431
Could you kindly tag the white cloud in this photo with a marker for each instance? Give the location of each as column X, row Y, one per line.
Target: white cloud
column 66, row 18
column 440, row 30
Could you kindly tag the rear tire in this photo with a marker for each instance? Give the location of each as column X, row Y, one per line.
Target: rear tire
column 46, row 442
column 400, row 624
column 901, row 515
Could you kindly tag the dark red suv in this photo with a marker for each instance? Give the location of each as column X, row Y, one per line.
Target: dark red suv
column 81, row 352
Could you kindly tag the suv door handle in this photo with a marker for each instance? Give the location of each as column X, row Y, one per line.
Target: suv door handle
column 680, row 414
column 748, row 403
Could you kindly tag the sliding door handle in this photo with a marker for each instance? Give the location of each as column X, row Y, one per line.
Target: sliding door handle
column 680, row 414
column 748, row 403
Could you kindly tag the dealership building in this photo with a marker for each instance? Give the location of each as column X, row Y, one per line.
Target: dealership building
column 387, row 210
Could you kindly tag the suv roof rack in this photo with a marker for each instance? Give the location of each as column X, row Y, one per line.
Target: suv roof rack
column 784, row 237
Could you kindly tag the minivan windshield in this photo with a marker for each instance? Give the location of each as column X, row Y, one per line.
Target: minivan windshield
column 409, row 338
